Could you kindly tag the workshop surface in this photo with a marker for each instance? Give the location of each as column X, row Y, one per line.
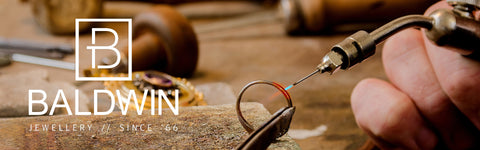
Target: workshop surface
column 202, row 127
column 238, row 56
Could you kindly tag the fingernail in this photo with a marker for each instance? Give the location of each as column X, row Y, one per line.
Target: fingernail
column 426, row 139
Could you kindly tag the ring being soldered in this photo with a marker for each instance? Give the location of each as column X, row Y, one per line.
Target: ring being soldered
column 247, row 126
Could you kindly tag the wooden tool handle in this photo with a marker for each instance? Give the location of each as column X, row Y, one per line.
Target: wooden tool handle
column 147, row 51
column 318, row 15
column 164, row 40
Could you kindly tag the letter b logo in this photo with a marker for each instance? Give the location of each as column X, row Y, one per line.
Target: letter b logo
column 110, row 47
column 94, row 47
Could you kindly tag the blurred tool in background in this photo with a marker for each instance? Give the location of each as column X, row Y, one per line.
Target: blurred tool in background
column 163, row 40
column 299, row 16
column 35, row 48
column 313, row 17
column 6, row 59
column 320, row 16
column 58, row 16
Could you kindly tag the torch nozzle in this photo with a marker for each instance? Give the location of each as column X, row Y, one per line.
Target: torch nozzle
column 306, row 77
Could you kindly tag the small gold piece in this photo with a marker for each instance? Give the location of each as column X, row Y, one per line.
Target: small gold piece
column 96, row 72
column 152, row 80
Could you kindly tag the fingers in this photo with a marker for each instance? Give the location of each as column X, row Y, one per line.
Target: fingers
column 441, row 95
column 390, row 117
column 459, row 77
column 408, row 67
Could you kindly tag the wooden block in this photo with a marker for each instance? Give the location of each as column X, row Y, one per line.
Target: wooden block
column 202, row 127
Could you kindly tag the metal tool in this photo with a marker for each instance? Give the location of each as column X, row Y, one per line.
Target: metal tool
column 455, row 28
column 32, row 45
column 6, row 59
column 40, row 49
column 43, row 54
column 272, row 129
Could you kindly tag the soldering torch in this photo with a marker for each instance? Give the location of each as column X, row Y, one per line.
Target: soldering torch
column 456, row 28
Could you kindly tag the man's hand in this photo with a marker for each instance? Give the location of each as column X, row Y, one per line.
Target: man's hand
column 433, row 99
